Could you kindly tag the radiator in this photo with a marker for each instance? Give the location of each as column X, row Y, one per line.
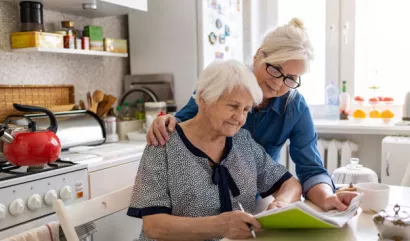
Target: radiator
column 334, row 154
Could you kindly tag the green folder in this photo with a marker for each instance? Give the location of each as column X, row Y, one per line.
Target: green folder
column 294, row 218
column 304, row 215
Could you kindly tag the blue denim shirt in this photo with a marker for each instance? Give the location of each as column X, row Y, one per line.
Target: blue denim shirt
column 273, row 125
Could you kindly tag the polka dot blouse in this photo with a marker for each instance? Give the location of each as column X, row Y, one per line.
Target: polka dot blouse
column 177, row 179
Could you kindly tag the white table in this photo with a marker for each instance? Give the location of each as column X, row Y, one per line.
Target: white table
column 359, row 228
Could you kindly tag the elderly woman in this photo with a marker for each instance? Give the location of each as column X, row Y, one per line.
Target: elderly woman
column 191, row 188
column 278, row 64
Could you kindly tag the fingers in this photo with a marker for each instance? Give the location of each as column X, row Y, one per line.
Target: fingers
column 277, row 204
column 249, row 219
column 347, row 197
column 148, row 139
column 151, row 139
column 162, row 130
column 338, row 204
column 158, row 134
column 172, row 122
column 273, row 205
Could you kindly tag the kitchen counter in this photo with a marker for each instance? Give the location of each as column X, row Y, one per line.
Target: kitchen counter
column 371, row 127
column 107, row 155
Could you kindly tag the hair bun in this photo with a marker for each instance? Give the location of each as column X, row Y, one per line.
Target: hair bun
column 297, row 23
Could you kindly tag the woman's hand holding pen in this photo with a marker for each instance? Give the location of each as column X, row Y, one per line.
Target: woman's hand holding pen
column 234, row 225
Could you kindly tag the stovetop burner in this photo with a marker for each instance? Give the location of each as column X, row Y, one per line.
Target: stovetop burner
column 9, row 171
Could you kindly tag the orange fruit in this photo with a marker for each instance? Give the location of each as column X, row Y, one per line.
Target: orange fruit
column 374, row 114
column 387, row 114
column 359, row 114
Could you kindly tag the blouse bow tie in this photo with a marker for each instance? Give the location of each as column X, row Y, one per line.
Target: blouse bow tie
column 225, row 182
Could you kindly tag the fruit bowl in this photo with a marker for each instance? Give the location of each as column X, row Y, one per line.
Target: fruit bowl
column 358, row 119
column 359, row 100
column 387, row 120
column 374, row 101
column 388, row 100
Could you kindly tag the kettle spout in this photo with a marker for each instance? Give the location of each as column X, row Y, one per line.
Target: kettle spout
column 6, row 137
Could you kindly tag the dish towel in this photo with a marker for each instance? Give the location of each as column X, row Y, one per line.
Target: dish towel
column 48, row 232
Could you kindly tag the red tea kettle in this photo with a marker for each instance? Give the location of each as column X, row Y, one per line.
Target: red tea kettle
column 29, row 147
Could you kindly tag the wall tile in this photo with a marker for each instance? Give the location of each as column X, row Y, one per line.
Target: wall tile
column 87, row 73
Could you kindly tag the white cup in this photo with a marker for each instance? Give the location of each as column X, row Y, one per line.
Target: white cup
column 376, row 196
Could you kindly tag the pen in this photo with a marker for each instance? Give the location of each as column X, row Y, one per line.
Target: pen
column 249, row 225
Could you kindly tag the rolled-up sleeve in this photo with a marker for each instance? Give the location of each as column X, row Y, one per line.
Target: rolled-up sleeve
column 271, row 175
column 151, row 193
column 305, row 154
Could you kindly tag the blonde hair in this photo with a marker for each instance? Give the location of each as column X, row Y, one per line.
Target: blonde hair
column 225, row 75
column 287, row 42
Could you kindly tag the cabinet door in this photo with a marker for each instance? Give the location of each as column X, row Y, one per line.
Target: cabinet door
column 132, row 4
column 105, row 8
column 394, row 163
column 112, row 179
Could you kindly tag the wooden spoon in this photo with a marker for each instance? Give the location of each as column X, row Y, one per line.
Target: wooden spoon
column 89, row 101
column 101, row 105
column 110, row 102
column 98, row 96
column 82, row 105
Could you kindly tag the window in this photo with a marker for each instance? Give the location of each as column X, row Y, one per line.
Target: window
column 381, row 48
column 313, row 14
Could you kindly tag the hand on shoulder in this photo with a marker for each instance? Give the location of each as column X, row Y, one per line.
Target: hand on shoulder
column 158, row 131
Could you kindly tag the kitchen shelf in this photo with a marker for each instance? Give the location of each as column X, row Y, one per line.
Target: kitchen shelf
column 369, row 127
column 69, row 51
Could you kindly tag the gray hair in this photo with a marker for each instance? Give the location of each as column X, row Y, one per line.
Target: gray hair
column 225, row 75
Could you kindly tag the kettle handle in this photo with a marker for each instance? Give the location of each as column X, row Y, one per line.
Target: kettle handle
column 30, row 109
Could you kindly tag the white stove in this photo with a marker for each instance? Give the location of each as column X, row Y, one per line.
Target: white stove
column 27, row 195
column 81, row 173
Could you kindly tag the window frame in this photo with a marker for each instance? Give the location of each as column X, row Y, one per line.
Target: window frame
column 347, row 26
column 340, row 44
column 264, row 15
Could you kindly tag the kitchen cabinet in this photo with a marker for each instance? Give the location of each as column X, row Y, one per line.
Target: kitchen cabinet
column 105, row 8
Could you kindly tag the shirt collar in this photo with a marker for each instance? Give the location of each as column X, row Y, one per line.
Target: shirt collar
column 278, row 104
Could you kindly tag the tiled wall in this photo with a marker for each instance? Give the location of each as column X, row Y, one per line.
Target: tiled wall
column 87, row 73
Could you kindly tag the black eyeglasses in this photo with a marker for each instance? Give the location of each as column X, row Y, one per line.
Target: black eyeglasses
column 289, row 81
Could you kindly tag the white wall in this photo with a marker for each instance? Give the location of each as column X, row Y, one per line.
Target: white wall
column 164, row 40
